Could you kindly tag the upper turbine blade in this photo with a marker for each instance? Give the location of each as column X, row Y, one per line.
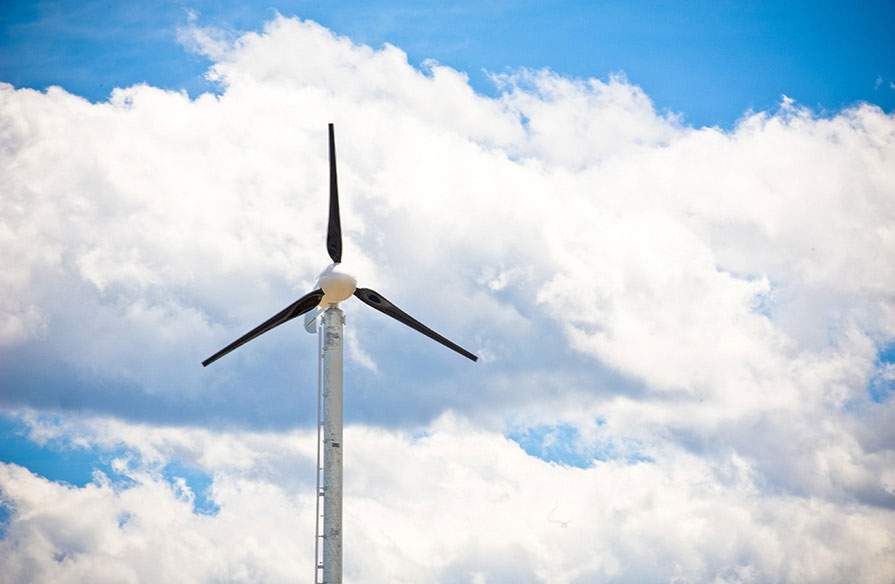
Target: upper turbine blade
column 376, row 300
column 297, row 308
column 334, row 229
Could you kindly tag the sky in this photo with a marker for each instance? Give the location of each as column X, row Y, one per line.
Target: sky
column 667, row 230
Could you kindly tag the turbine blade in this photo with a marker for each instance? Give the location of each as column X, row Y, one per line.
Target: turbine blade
column 297, row 308
column 374, row 299
column 334, row 229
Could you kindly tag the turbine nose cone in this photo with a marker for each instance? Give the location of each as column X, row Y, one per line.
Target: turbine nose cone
column 337, row 284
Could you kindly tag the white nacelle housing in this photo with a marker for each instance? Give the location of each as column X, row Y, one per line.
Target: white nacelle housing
column 337, row 285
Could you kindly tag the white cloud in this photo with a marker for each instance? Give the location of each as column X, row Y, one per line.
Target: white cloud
column 715, row 301
column 453, row 503
column 145, row 532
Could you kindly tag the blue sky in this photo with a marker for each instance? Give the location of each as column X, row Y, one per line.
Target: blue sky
column 710, row 61
column 678, row 282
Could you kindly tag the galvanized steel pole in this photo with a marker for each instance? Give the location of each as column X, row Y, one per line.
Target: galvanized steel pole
column 332, row 440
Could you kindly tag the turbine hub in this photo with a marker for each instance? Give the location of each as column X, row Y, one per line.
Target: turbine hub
column 337, row 285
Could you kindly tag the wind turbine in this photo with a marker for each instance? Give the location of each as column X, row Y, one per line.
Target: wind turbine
column 333, row 286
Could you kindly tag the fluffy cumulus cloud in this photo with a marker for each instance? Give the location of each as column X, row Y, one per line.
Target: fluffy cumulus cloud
column 686, row 334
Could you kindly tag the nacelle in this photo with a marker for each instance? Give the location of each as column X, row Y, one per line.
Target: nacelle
column 337, row 284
